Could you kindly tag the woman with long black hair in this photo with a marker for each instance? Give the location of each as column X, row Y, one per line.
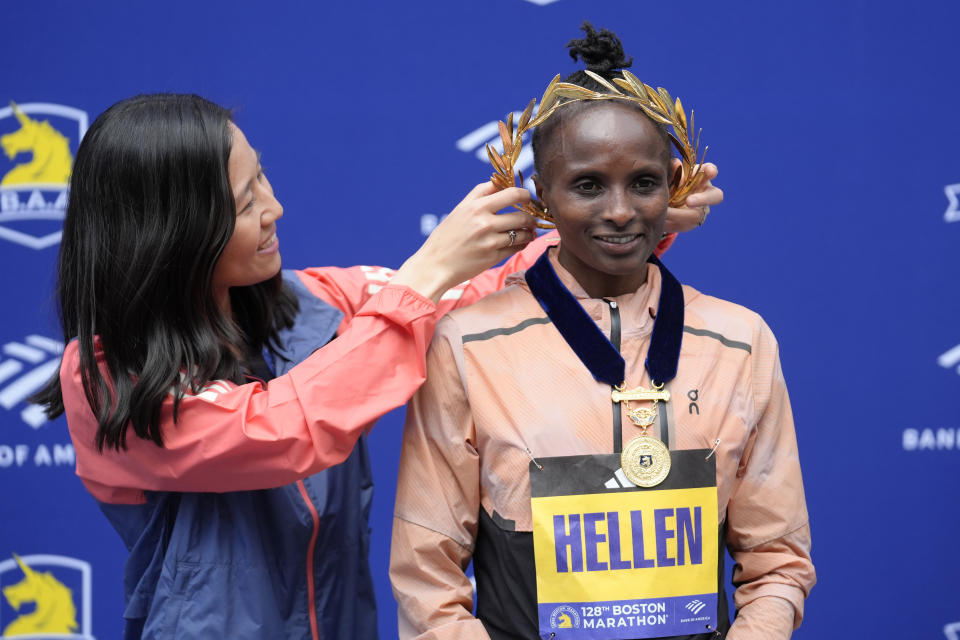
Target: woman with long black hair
column 217, row 404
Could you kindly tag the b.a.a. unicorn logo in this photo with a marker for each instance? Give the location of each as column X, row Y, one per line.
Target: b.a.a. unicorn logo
column 38, row 141
column 44, row 603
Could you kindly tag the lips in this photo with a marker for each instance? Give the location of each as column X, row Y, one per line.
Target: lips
column 270, row 245
column 620, row 238
column 618, row 244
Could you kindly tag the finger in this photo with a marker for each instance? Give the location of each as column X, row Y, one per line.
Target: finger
column 513, row 238
column 709, row 197
column 710, row 170
column 507, row 197
column 521, row 239
column 680, row 219
column 513, row 220
column 482, row 189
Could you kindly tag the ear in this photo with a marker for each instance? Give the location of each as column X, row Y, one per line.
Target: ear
column 538, row 183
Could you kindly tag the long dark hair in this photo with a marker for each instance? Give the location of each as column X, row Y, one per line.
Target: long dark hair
column 602, row 53
column 149, row 213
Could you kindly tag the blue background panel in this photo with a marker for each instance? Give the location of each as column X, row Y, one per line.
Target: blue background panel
column 833, row 123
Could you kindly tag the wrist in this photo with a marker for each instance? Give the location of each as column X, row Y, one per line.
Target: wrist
column 428, row 280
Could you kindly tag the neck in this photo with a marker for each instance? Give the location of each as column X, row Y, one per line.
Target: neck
column 601, row 285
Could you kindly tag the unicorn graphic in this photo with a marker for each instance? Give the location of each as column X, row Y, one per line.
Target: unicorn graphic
column 55, row 611
column 51, row 161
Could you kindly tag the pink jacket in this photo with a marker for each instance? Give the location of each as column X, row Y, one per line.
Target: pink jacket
column 233, row 437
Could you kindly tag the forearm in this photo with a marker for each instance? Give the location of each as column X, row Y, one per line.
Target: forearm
column 766, row 618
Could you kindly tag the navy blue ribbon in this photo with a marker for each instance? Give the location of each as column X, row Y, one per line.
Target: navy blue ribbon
column 588, row 341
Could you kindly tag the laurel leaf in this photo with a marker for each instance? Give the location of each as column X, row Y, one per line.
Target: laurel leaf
column 505, row 137
column 549, row 95
column 525, row 117
column 675, row 181
column 667, row 100
column 681, row 116
column 655, row 115
column 495, row 159
column 638, row 87
column 677, row 144
column 603, row 81
column 655, row 99
column 510, row 124
column 568, row 90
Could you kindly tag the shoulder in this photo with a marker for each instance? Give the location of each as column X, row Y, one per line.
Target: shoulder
column 728, row 323
column 501, row 312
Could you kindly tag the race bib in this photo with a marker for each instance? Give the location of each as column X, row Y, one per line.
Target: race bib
column 618, row 561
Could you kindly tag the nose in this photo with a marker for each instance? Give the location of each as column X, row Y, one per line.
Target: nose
column 272, row 211
column 618, row 211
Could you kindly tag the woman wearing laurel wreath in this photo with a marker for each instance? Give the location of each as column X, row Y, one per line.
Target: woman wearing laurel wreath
column 594, row 435
column 218, row 406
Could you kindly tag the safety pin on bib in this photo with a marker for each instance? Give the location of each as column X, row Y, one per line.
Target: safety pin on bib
column 714, row 450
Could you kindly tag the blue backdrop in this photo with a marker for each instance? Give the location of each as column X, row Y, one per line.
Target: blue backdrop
column 835, row 126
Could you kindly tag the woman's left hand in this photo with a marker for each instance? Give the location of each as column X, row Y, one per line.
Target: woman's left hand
column 697, row 205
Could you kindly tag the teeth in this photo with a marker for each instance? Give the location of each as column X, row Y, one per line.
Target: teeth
column 619, row 239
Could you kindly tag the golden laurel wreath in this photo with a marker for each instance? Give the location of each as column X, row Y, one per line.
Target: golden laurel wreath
column 657, row 104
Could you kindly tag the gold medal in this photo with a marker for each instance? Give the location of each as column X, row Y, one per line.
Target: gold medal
column 645, row 461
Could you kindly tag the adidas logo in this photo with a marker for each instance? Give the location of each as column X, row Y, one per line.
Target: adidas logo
column 24, row 368
column 695, row 606
column 618, row 481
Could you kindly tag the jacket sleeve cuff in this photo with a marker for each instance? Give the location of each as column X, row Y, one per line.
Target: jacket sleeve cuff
column 398, row 303
column 768, row 600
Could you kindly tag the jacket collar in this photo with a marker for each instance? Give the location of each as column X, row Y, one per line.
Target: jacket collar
column 315, row 325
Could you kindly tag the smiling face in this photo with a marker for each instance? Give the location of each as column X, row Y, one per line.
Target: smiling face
column 605, row 178
column 252, row 254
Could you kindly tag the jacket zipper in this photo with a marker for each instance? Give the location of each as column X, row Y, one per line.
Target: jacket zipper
column 311, row 590
column 615, row 340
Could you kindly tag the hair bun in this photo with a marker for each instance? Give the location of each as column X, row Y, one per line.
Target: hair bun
column 601, row 51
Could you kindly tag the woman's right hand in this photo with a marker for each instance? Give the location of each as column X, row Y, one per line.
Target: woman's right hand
column 469, row 240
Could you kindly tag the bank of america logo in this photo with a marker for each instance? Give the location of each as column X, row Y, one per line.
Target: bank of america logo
column 950, row 359
column 695, row 606
column 477, row 140
column 25, row 366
